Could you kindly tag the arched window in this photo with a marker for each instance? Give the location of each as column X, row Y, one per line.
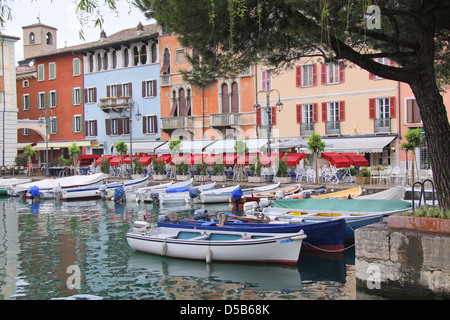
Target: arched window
column 32, row 38
column 188, row 103
column 126, row 58
column 91, row 63
column 154, row 53
column 105, row 61
column 143, row 54
column 182, row 102
column 234, row 97
column 174, row 110
column 49, row 38
column 166, row 63
column 225, row 99
column 99, row 62
column 114, row 59
column 136, row 56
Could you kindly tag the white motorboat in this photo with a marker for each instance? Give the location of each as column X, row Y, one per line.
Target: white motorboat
column 221, row 195
column 10, row 183
column 134, row 195
column 149, row 194
column 216, row 245
column 183, row 195
column 47, row 187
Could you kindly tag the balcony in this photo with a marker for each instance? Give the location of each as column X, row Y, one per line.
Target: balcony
column 225, row 120
column 332, row 127
column 115, row 104
column 382, row 125
column 306, row 129
column 173, row 123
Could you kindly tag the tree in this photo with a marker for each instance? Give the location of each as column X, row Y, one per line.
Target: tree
column 316, row 146
column 414, row 141
column 232, row 34
column 29, row 152
column 122, row 149
column 74, row 153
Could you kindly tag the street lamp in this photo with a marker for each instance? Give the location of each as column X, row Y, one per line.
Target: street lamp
column 138, row 116
column 47, row 124
column 279, row 107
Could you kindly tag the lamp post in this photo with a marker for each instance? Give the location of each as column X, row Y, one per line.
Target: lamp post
column 138, row 116
column 279, row 106
column 47, row 124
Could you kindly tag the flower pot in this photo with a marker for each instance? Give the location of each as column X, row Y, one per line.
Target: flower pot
column 219, row 178
column 362, row 180
column 183, row 177
column 136, row 175
column 419, row 223
column 255, row 179
column 282, row 179
column 159, row 177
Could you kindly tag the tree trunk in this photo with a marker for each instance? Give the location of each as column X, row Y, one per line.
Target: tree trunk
column 437, row 134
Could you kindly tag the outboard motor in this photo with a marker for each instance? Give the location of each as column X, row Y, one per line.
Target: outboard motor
column 163, row 218
column 264, row 202
column 140, row 227
column 237, row 194
column 155, row 198
column 279, row 195
column 194, row 193
column 201, row 214
column 34, row 191
column 102, row 190
column 306, row 195
column 119, row 193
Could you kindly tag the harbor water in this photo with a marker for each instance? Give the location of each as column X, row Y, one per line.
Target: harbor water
column 78, row 250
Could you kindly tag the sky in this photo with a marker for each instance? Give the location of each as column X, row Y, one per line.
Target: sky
column 61, row 14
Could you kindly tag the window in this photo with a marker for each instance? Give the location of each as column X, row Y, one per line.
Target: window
column 26, row 132
column 76, row 96
column 52, row 99
column 412, row 111
column 114, row 59
column 143, row 55
column 127, row 89
column 32, row 38
column 41, row 72
column 41, row 100
column 91, row 63
column 26, row 102
column 126, row 58
column 105, row 61
column 234, row 97
column 136, row 56
column 77, row 123
column 90, row 95
column 53, row 125
column 149, row 88
column 25, row 84
column 306, row 75
column 226, row 99
column 383, row 108
column 308, row 113
column 332, row 73
column 76, row 67
column 115, row 123
column 154, row 53
column 99, row 62
column 126, row 125
column 166, row 62
column 333, row 111
column 150, row 124
column 51, row 71
column 180, row 55
column 90, row 128
column 266, row 80
column 49, row 38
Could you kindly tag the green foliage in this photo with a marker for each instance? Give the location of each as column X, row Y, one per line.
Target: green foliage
column 121, row 147
column 315, row 143
column 21, row 160
column 74, row 152
column 182, row 168
column 414, row 139
column 64, row 162
column 218, row 169
column 255, row 168
column 158, row 166
column 104, row 165
column 240, row 147
column 282, row 168
column 429, row 212
column 174, row 145
column 137, row 167
column 201, row 168
column 29, row 151
column 364, row 172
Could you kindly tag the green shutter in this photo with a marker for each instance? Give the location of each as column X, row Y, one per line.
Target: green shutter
column 51, row 70
column 76, row 67
column 41, row 74
column 73, row 124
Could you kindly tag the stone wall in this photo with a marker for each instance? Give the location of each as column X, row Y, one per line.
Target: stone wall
column 402, row 262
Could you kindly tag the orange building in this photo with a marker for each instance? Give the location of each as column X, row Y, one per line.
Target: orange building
column 221, row 110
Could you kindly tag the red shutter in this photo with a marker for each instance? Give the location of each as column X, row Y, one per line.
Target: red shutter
column 274, row 115
column 372, row 108
column 341, row 110
column 315, row 113
column 119, row 90
column 324, row 111
column 324, row 73
column 85, row 96
column 341, row 73
column 298, row 76
column 258, row 116
column 86, row 128
column 299, row 113
column 314, row 74
column 392, row 111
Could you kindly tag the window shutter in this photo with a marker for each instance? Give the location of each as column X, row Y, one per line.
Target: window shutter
column 264, row 79
column 86, row 128
column 143, row 89
column 119, row 90
column 73, row 124
column 392, row 111
column 95, row 95
column 299, row 113
column 130, row 89
column 324, row 73
column 108, row 126
column 73, row 96
column 155, row 124
column 341, row 110
column 372, row 108
column 154, row 88
column 258, row 116
column 56, row 98
column 314, row 74
column 273, row 115
column 120, row 126
column 144, row 124
column 324, row 111
column 341, row 73
column 56, row 124
column 298, row 76
column 315, row 112
column 108, row 91
column 95, row 127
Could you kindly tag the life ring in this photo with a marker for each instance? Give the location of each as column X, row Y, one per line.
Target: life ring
column 29, row 167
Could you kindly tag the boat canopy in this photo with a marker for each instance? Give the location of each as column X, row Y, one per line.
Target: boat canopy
column 366, row 205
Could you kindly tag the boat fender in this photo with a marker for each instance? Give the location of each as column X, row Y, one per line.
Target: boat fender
column 200, row 214
column 306, row 195
column 164, row 249
column 208, row 256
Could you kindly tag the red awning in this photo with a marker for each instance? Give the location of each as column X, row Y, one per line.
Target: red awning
column 265, row 158
column 195, row 159
column 356, row 159
column 126, row 159
column 87, row 159
column 246, row 159
column 180, row 158
column 336, row 159
column 99, row 160
column 165, row 157
column 114, row 161
column 293, row 158
column 227, row 159
column 146, row 160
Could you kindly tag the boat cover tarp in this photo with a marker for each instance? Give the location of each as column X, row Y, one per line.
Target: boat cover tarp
column 119, row 193
column 180, row 189
column 365, row 205
column 194, row 193
column 34, row 191
column 237, row 194
column 396, row 193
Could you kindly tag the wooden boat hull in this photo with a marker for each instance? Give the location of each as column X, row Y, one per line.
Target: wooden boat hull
column 219, row 246
column 325, row 235
column 216, row 196
column 342, row 194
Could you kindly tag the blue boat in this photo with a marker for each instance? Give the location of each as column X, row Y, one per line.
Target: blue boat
column 321, row 235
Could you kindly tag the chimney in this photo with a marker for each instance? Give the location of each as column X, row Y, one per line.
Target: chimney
column 140, row 28
column 103, row 36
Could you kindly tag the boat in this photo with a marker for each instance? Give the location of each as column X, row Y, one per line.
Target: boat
column 8, row 184
column 47, row 187
column 325, row 235
column 99, row 191
column 357, row 213
column 395, row 193
column 134, row 195
column 214, row 245
column 341, row 194
column 184, row 194
column 221, row 195
column 149, row 194
column 276, row 193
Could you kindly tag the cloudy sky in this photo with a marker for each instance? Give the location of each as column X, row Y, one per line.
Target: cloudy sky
column 61, row 15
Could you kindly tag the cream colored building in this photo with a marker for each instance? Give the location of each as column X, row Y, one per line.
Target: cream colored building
column 8, row 101
column 351, row 109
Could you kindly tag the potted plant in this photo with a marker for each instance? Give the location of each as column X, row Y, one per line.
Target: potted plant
column 182, row 170
column 104, row 167
column 137, row 168
column 158, row 169
column 122, row 149
column 74, row 153
column 431, row 219
column 282, row 175
column 217, row 172
column 255, row 171
column 201, row 171
column 363, row 177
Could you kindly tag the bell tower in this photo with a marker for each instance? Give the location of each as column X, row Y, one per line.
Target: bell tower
column 38, row 39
